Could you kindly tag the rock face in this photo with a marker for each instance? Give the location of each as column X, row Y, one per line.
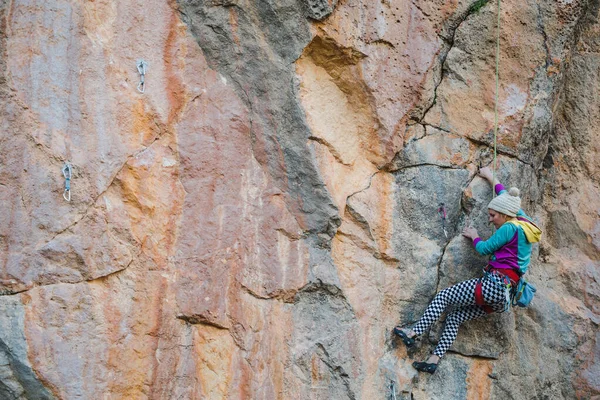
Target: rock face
column 255, row 223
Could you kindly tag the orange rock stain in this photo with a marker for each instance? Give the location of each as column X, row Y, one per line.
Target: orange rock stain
column 175, row 62
column 128, row 354
column 36, row 354
column 142, row 127
column 479, row 384
column 233, row 22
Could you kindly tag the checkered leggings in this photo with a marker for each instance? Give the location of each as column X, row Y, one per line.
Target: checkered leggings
column 461, row 298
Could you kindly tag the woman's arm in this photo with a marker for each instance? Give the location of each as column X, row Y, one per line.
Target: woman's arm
column 488, row 175
column 501, row 237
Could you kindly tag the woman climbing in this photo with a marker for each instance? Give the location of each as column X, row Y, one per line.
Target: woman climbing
column 510, row 247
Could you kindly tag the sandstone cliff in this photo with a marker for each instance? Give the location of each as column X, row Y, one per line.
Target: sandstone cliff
column 254, row 224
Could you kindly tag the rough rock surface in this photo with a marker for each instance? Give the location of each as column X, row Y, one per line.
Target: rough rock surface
column 255, row 223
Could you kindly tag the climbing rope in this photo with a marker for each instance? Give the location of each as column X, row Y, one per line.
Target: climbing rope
column 443, row 214
column 67, row 171
column 141, row 67
column 497, row 94
column 442, row 209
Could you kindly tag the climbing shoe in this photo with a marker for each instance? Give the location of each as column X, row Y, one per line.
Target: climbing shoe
column 425, row 367
column 408, row 341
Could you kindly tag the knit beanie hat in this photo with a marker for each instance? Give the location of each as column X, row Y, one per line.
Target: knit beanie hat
column 508, row 203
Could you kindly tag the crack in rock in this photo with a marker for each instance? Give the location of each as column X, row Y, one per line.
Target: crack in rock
column 542, row 30
column 201, row 320
column 6, row 292
column 449, row 41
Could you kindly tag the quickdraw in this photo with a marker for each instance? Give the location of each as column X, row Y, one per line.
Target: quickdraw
column 141, row 67
column 443, row 214
column 67, row 171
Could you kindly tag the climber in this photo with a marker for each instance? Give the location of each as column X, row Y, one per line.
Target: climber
column 510, row 247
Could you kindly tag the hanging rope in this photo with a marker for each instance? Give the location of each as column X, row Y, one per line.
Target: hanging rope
column 141, row 67
column 67, row 171
column 497, row 94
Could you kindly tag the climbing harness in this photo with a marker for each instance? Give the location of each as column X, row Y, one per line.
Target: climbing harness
column 67, row 171
column 442, row 213
column 499, row 280
column 496, row 96
column 141, row 67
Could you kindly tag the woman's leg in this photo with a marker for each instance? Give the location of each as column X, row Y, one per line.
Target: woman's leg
column 461, row 294
column 494, row 296
column 453, row 321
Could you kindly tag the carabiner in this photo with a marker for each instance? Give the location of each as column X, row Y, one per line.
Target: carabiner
column 141, row 67
column 67, row 172
column 442, row 213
